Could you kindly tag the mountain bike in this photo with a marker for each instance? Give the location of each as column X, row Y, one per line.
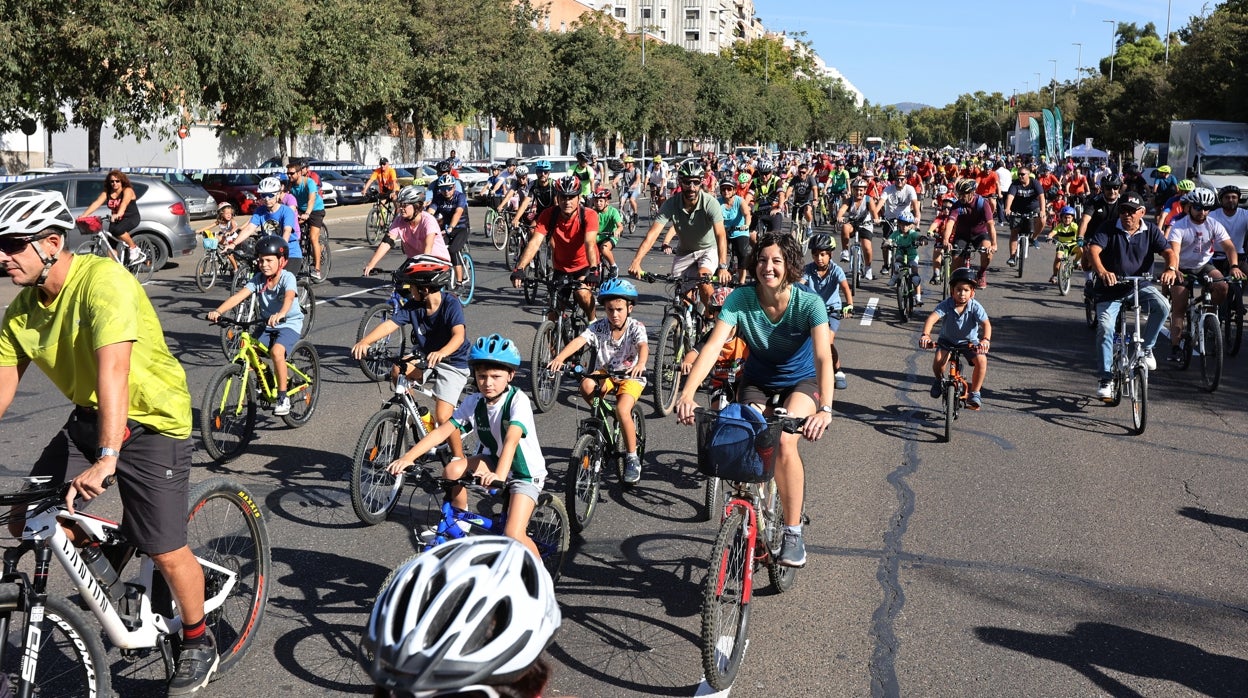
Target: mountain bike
column 378, row 220
column 382, row 353
column 684, row 323
column 1130, row 374
column 213, row 264
column 548, row 525
column 1232, row 313
column 599, row 444
column 906, row 283
column 955, row 390
column 1021, row 223
column 389, row 433
column 1202, row 332
column 101, row 243
column 552, row 336
column 305, row 245
column 50, row 648
column 497, row 227
column 857, row 265
column 1067, row 263
column 227, row 414
column 799, row 227
column 247, row 311
column 751, row 532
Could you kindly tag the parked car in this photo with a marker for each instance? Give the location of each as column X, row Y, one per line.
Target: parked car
column 329, row 193
column 560, row 165
column 162, row 212
column 238, row 189
column 349, row 189
column 199, row 203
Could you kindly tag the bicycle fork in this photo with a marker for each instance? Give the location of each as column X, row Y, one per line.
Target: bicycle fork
column 751, row 534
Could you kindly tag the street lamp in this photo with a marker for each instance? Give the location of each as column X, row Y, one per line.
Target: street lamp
column 1079, row 65
column 1113, row 45
column 1054, row 62
column 1168, row 4
column 644, row 31
column 1037, row 82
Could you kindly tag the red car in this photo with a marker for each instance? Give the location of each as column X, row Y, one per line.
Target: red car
column 238, row 189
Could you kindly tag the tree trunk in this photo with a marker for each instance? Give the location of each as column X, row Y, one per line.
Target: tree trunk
column 93, row 143
column 282, row 153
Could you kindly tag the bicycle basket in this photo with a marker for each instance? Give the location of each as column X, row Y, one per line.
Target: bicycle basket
column 210, row 243
column 736, row 444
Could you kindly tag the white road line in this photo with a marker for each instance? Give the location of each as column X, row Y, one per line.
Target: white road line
column 868, row 314
column 347, row 295
column 354, row 247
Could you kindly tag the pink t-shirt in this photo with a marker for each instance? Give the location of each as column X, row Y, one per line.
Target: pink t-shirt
column 412, row 236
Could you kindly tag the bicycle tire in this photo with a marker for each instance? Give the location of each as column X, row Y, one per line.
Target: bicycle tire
column 903, row 313
column 1233, row 331
column 667, row 360
column 206, row 273
column 782, row 578
column 465, row 289
column 584, row 481
column 1139, row 400
column 951, row 410
column 1020, row 260
column 372, row 225
column 545, row 384
column 713, row 497
column 550, row 529
column 303, row 357
column 725, row 613
column 639, row 420
column 91, row 247
column 143, row 270
column 327, row 257
column 71, row 652
column 855, row 269
column 227, row 416
column 1211, row 352
column 374, row 491
column 237, row 539
column 306, row 297
column 497, row 227
column 380, row 355
column 1187, row 344
column 1064, row 272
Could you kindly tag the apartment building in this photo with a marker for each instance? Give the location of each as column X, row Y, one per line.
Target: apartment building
column 706, row 26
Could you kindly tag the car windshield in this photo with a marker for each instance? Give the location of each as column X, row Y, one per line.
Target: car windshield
column 1224, row 165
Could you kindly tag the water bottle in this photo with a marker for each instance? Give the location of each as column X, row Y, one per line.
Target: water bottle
column 99, row 566
column 425, row 418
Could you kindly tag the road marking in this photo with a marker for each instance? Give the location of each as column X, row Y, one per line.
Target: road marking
column 868, row 314
column 347, row 295
column 355, row 247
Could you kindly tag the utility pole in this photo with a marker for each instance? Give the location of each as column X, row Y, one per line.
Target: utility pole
column 1113, row 45
column 1168, row 4
column 1054, row 62
column 1078, row 65
column 968, row 129
column 1038, row 83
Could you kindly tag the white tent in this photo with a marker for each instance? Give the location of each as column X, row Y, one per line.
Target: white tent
column 1086, row 151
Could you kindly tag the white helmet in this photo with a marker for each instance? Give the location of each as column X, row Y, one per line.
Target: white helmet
column 522, row 171
column 269, row 185
column 30, row 212
column 479, row 609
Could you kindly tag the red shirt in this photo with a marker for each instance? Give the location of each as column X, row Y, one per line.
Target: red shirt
column 1048, row 182
column 926, row 169
column 986, row 184
column 915, row 181
column 567, row 240
column 1077, row 184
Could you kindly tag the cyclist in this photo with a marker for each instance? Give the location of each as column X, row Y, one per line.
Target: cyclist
column 386, row 178
column 769, row 195
column 972, row 221
column 450, row 207
column 311, row 209
column 513, row 192
column 609, row 226
column 1133, row 179
column 496, row 185
column 656, row 179
column 415, row 230
column 698, row 219
column 123, row 212
column 1005, row 178
column 573, row 231
column 988, row 185
column 224, row 230
column 273, row 217
column 629, row 182
column 966, row 328
column 275, row 290
column 789, row 366
column 502, row 417
column 1126, row 248
column 619, row 343
column 1102, row 207
column 1233, row 218
column 90, row 327
column 1026, row 200
column 1165, row 184
column 540, row 195
column 737, row 224
column 1078, row 187
column 936, row 231
column 895, row 199
column 838, row 185
column 1173, row 209
column 583, row 170
column 905, row 241
column 803, row 191
column 437, row 630
column 1193, row 239
column 1066, row 232
column 858, row 212
column 829, row 282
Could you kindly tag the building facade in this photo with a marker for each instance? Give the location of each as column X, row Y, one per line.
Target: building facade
column 706, row 26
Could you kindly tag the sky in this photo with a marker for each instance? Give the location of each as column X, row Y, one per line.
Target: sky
column 930, row 52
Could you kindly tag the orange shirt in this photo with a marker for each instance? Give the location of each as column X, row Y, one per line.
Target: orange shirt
column 1077, row 185
column 387, row 179
column 987, row 184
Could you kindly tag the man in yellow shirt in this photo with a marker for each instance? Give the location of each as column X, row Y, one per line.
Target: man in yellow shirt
column 87, row 323
column 386, row 178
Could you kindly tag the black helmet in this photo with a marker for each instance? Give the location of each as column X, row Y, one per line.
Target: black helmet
column 820, row 242
column 443, row 167
column 690, row 169
column 960, row 275
column 966, row 186
column 582, row 156
column 1112, row 181
column 385, row 161
column 512, row 162
column 272, row 245
column 1229, row 189
column 568, row 185
column 424, row 271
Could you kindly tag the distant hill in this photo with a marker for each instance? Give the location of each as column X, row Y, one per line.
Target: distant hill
column 907, row 107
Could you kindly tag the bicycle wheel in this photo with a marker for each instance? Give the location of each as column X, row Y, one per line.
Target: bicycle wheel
column 855, row 268
column 1024, row 243
column 374, row 491
column 631, row 226
column 206, row 272
column 1139, row 400
column 306, row 298
column 782, row 578
column 639, row 419
column 143, row 270
column 1210, row 352
column 1089, row 310
column 1064, row 271
column 667, row 365
column 545, row 383
column 951, row 411
column 725, row 611
column 1233, row 330
column 372, row 226
column 227, row 416
column 72, row 660
column 549, row 528
column 903, row 313
column 1187, row 343
column 497, row 228
column 713, row 497
column 225, row 527
column 327, row 257
column 303, row 383
column 465, row 289
column 377, row 361
column 583, row 481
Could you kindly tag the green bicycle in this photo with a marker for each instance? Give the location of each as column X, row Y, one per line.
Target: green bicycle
column 599, row 443
column 227, row 415
column 378, row 220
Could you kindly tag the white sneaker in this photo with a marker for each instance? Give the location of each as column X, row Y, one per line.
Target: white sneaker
column 135, row 255
column 1105, row 390
column 844, row 255
column 868, row 275
column 282, row 408
column 1150, row 362
column 840, row 380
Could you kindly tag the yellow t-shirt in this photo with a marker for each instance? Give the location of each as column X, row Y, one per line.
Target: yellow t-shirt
column 1066, row 233
column 101, row 304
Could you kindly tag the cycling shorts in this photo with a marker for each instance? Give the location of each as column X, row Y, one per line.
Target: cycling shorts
column 458, row 238
column 739, row 247
column 749, row 393
column 316, row 219
column 977, row 239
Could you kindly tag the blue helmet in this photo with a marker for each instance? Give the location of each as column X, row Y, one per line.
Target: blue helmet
column 617, row 288
column 905, row 217
column 1067, row 210
column 495, row 349
column 444, row 182
column 541, row 166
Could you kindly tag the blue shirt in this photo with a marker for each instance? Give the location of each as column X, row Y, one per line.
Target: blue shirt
column 828, row 288
column 734, row 216
column 781, row 353
column 958, row 328
column 274, row 222
column 444, row 209
column 433, row 332
column 305, row 189
column 270, row 300
column 1126, row 255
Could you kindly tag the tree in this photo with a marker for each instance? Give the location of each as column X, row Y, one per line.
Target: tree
column 592, row 69
column 1211, row 64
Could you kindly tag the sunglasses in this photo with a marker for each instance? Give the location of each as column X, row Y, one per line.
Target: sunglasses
column 114, row 181
column 691, row 182
column 265, row 196
column 12, row 244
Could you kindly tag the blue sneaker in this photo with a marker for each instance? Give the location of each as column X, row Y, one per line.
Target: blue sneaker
column 974, row 402
column 632, row 469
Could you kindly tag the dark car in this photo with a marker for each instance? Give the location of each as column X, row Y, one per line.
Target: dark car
column 350, row 188
column 161, row 209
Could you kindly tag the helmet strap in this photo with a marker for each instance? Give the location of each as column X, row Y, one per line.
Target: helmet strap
column 48, row 262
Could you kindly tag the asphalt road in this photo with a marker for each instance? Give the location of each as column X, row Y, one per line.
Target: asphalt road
column 1044, row 552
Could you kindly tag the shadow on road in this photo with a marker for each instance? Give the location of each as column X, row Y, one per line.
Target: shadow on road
column 1205, row 516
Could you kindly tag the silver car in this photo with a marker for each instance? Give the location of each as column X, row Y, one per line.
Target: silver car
column 162, row 212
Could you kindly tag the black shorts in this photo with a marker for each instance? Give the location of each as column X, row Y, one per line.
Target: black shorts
column 459, row 238
column 769, row 220
column 123, row 226
column 977, row 240
column 740, row 247
column 294, row 266
column 316, row 219
column 758, row 395
column 864, row 231
column 153, row 478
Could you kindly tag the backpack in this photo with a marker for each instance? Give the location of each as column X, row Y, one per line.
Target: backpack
column 737, row 445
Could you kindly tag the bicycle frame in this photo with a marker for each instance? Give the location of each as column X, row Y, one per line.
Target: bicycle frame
column 745, row 502
column 250, row 353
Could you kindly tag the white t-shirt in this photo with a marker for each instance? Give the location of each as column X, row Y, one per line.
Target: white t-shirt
column 1236, row 225
column 655, row 176
column 1004, row 179
column 897, row 199
column 528, row 464
column 613, row 354
column 1196, row 242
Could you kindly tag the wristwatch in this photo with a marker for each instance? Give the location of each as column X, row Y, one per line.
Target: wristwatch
column 826, row 409
column 105, row 452
column 1172, row 268
column 723, row 267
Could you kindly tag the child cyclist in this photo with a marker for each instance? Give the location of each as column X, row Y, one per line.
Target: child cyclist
column 224, row 230
column 609, row 223
column 620, row 344
column 275, row 290
column 966, row 329
column 828, row 280
column 936, row 230
column 1066, row 232
column 502, row 417
column 905, row 241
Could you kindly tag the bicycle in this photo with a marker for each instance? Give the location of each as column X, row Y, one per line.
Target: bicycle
column 630, row 218
column 548, row 525
column 497, row 228
column 246, row 312
column 961, row 251
column 378, row 220
column 227, row 414
column 102, row 243
column 751, row 531
column 799, row 227
column 49, row 646
column 381, row 354
column 599, row 442
column 1130, row 374
column 389, row 433
column 955, row 390
column 1232, row 314
column 857, row 265
column 1021, row 223
column 684, row 323
column 1067, row 262
column 214, row 263
column 305, row 244
column 905, row 283
column 1206, row 342
column 552, row 335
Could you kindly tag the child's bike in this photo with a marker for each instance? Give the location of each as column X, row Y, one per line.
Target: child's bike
column 48, row 647
column 247, row 311
column 215, row 263
column 954, row 388
column 227, row 415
